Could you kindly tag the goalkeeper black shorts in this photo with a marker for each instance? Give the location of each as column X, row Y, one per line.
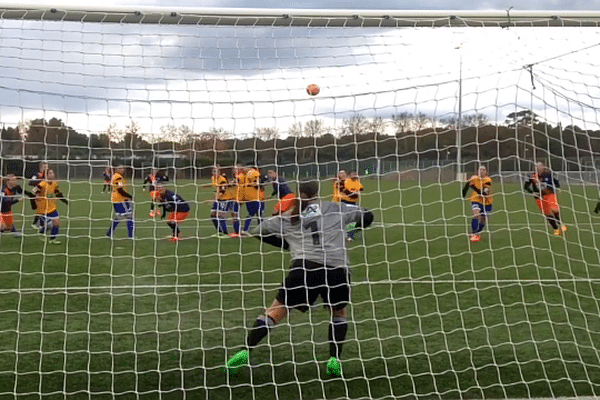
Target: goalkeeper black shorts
column 308, row 280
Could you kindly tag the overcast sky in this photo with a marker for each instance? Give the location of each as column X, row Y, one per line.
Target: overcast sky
column 92, row 75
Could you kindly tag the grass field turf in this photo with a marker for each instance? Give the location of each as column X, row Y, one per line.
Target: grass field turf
column 433, row 316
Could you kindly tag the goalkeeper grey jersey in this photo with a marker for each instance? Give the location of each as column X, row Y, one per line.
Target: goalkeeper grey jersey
column 319, row 235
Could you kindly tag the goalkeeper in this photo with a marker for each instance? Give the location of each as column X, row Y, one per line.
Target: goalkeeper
column 314, row 232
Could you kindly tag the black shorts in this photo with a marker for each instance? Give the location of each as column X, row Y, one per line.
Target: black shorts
column 308, row 280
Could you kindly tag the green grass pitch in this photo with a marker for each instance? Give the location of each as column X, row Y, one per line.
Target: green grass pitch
column 433, row 316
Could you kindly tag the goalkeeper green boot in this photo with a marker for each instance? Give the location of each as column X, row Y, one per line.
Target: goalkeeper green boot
column 334, row 368
column 239, row 359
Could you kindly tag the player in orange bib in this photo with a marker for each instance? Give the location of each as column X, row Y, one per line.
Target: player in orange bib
column 542, row 184
column 481, row 200
column 223, row 203
column 122, row 203
column 239, row 186
column 254, row 196
column 46, row 193
column 349, row 193
column 338, row 185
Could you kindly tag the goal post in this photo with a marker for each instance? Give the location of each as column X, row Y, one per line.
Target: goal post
column 413, row 102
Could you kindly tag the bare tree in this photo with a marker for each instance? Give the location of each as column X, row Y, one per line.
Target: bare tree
column 266, row 133
column 168, row 133
column 376, row 126
column 115, row 134
column 402, row 122
column 466, row 121
column 220, row 133
column 474, row 120
column 23, row 127
column 355, row 125
column 480, row 120
column 133, row 137
column 421, row 121
column 296, row 130
column 185, row 131
column 315, row 128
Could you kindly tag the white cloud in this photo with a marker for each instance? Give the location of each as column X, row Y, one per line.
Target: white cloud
column 241, row 78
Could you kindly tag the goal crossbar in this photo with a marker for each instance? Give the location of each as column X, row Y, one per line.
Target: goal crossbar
column 300, row 17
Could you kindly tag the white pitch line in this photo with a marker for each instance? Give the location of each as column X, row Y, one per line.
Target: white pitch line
column 271, row 285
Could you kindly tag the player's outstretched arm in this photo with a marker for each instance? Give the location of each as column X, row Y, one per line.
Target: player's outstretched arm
column 273, row 240
column 123, row 193
column 61, row 197
column 267, row 232
column 465, row 189
column 527, row 187
column 365, row 220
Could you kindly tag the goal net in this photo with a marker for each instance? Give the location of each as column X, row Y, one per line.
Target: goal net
column 413, row 102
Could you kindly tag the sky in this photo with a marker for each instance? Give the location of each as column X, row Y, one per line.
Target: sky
column 242, row 78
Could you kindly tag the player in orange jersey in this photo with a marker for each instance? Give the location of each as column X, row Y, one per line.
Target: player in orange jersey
column 349, row 193
column 254, row 195
column 239, row 186
column 46, row 193
column 481, row 200
column 223, row 203
column 122, row 203
column 338, row 185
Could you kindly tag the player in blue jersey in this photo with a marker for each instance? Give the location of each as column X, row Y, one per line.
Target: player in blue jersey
column 107, row 174
column 542, row 184
column 282, row 191
column 178, row 209
column 10, row 194
column 154, row 179
column 34, row 181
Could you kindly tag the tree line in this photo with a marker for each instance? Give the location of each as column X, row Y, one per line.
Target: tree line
column 406, row 136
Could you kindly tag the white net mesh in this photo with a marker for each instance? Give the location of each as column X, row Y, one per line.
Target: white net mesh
column 432, row 314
